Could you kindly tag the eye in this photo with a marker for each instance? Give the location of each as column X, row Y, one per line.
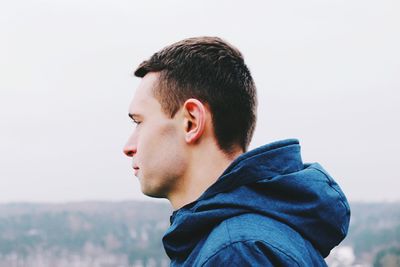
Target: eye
column 136, row 122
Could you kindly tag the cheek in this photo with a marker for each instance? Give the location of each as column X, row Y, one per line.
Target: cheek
column 173, row 152
column 146, row 147
column 168, row 143
column 159, row 145
column 176, row 161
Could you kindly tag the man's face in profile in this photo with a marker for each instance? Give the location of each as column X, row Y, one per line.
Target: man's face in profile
column 156, row 144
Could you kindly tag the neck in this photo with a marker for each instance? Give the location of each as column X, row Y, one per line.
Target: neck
column 204, row 171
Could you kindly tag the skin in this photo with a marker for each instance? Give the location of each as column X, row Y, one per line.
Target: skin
column 175, row 158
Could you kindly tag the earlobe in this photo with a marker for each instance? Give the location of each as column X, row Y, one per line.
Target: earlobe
column 195, row 117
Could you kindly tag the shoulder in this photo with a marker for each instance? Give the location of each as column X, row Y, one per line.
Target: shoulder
column 248, row 253
column 256, row 240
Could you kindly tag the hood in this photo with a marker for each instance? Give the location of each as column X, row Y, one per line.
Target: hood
column 272, row 181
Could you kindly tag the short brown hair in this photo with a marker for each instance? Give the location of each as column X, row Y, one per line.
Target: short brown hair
column 212, row 71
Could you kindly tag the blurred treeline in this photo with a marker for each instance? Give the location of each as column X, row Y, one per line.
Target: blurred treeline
column 130, row 233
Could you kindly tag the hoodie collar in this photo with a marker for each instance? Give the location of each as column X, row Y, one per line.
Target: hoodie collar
column 202, row 215
column 277, row 158
column 267, row 159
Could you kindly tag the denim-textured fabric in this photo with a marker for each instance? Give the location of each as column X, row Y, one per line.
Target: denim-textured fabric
column 266, row 209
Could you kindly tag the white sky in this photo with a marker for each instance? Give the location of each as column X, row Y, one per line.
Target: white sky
column 327, row 73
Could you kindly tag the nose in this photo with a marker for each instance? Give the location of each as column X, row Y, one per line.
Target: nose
column 130, row 147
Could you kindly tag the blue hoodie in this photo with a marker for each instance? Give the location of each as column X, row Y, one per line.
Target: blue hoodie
column 266, row 209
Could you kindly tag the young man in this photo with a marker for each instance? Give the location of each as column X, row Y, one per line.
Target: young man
column 195, row 113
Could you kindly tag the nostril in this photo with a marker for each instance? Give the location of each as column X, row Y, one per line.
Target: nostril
column 129, row 151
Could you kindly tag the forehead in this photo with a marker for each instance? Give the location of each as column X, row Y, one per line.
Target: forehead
column 143, row 99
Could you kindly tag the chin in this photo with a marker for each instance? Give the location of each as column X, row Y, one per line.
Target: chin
column 154, row 195
column 152, row 192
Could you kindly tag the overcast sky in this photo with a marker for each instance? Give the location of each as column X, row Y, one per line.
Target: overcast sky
column 327, row 72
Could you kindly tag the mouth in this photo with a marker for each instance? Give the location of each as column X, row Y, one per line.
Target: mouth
column 135, row 170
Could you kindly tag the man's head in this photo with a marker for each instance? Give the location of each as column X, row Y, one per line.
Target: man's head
column 196, row 101
column 212, row 71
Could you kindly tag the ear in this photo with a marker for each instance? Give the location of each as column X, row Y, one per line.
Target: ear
column 194, row 119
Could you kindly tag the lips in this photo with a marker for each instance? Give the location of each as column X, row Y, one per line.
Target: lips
column 135, row 170
column 135, row 167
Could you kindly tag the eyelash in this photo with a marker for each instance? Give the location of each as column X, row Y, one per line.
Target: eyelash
column 135, row 122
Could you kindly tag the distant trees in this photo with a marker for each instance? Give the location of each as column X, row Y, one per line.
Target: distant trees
column 389, row 257
column 130, row 233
